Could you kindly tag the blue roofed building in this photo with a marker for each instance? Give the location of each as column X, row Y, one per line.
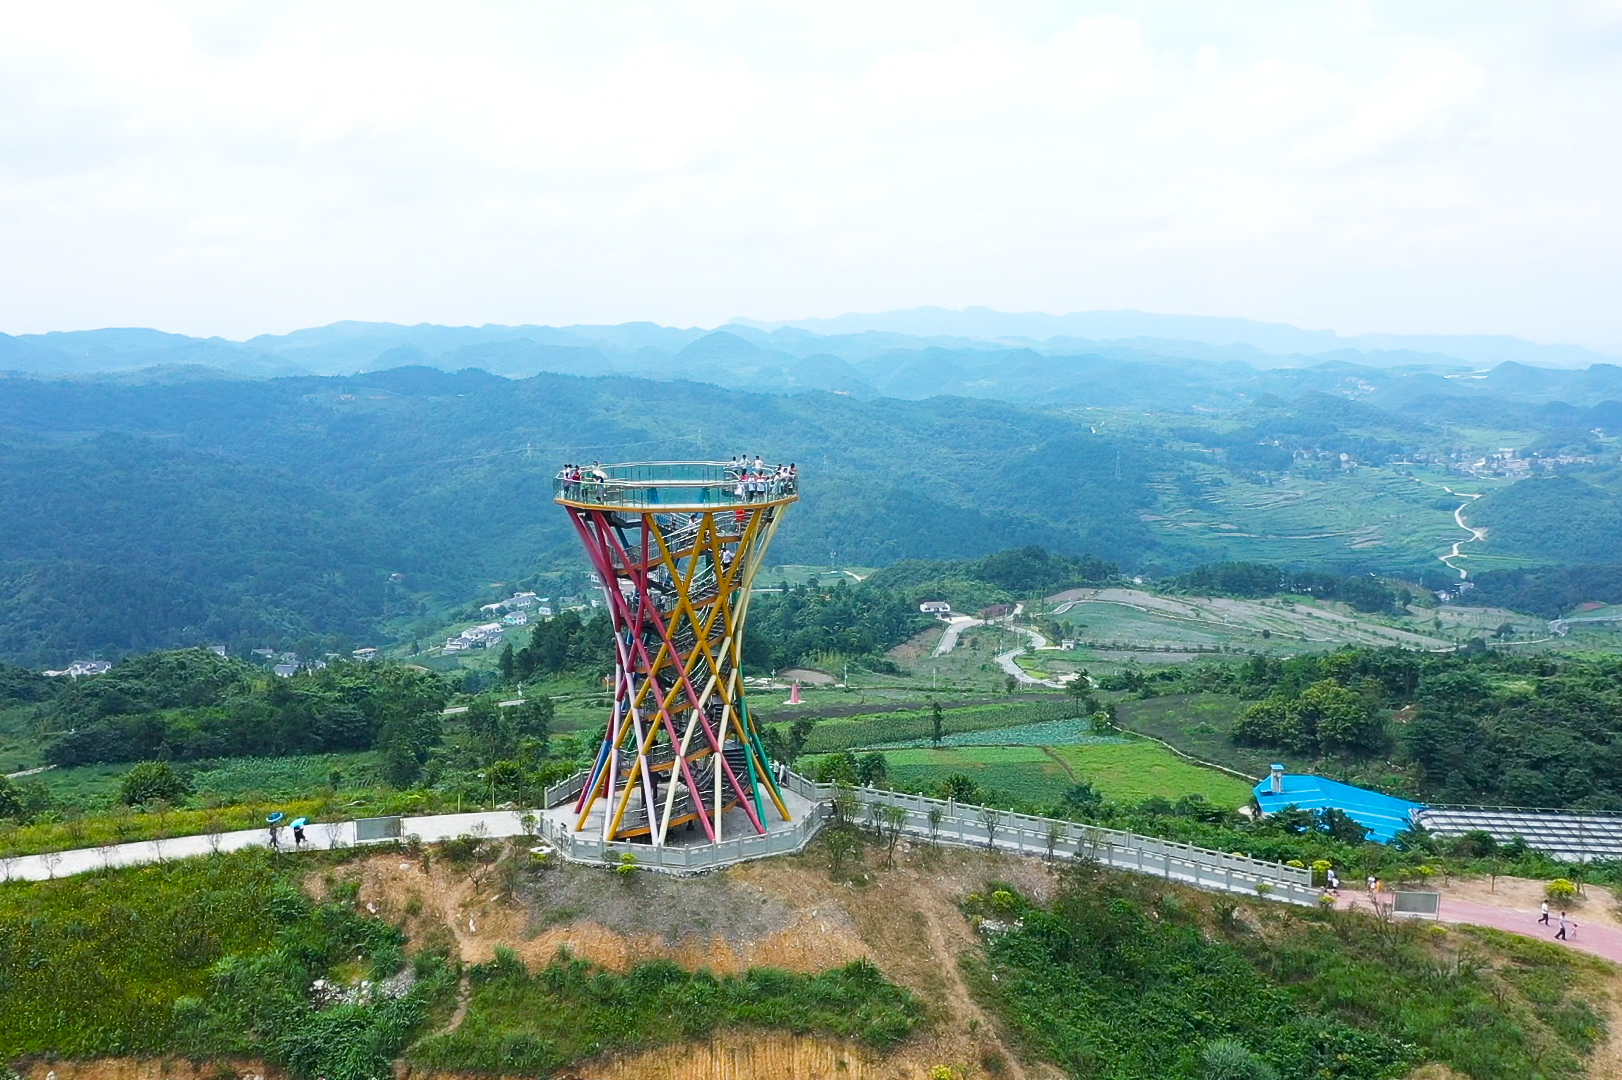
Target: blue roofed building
column 1384, row 816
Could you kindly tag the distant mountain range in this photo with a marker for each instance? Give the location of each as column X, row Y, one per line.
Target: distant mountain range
column 910, row 354
column 1257, row 343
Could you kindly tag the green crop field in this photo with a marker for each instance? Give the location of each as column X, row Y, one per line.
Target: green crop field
column 1130, row 772
column 1125, row 771
column 1024, row 773
column 1370, row 512
column 1198, row 725
column 882, row 729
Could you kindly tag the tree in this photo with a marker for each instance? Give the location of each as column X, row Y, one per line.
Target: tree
column 839, row 768
column 1081, row 800
column 937, row 723
column 891, row 820
column 958, row 787
column 152, row 781
column 489, row 732
column 1081, row 698
column 990, row 817
column 1338, row 824
column 533, row 719
column 507, row 662
column 11, row 800
column 872, row 770
column 1337, row 718
column 842, row 843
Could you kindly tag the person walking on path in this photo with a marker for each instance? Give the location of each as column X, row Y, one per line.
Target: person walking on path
column 1544, row 918
column 1565, row 925
column 1334, row 882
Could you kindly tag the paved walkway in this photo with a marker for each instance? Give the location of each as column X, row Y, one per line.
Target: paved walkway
column 1597, row 938
column 320, row 836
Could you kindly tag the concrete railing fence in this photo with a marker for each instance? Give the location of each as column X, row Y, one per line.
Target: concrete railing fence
column 956, row 824
column 967, row 825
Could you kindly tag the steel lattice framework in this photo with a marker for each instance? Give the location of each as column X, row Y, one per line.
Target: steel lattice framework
column 677, row 546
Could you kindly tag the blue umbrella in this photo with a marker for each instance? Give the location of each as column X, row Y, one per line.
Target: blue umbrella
column 298, row 823
column 275, row 818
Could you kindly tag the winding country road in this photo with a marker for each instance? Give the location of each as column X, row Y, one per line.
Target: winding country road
column 1006, row 660
column 1476, row 535
column 954, row 629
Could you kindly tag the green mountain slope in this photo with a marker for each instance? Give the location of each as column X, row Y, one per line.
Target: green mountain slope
column 1560, row 518
column 270, row 511
column 120, row 543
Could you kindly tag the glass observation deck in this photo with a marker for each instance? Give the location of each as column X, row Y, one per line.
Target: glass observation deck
column 674, row 485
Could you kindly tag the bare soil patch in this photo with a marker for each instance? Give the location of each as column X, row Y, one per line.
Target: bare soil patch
column 1598, row 904
column 150, row 1069
column 920, row 645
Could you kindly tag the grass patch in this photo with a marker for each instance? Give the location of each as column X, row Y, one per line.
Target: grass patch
column 881, row 729
column 1122, row 771
column 1044, row 733
column 1198, row 725
column 518, row 1022
column 1133, row 771
column 92, row 965
column 1022, row 773
column 206, row 957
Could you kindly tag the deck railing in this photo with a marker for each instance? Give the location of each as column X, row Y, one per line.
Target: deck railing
column 963, row 825
column 673, row 485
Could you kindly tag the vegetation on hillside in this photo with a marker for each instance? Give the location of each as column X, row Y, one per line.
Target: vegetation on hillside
column 193, row 704
column 1120, row 978
column 226, row 957
column 1562, row 518
column 1473, row 726
column 519, row 1022
column 1362, row 591
column 1550, row 591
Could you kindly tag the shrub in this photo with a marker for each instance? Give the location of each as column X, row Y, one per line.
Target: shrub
column 1560, row 889
column 1227, row 1059
column 150, row 781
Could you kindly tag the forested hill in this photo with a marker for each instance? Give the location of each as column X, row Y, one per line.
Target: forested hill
column 148, row 515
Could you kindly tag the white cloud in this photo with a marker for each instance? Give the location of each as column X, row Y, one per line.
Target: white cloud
column 236, row 169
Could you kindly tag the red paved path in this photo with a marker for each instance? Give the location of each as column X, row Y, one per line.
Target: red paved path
column 1596, row 938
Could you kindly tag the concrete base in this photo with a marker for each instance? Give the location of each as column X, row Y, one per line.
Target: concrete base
column 735, row 824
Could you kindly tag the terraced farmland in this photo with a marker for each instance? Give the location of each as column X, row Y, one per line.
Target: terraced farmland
column 1106, row 617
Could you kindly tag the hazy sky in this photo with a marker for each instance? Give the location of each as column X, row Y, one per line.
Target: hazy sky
column 241, row 168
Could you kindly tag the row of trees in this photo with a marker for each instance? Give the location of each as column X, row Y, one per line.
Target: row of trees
column 192, row 704
column 1255, row 580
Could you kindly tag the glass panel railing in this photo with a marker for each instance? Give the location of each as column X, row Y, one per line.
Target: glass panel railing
column 672, row 485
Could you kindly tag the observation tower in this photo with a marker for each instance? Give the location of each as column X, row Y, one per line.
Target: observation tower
column 677, row 545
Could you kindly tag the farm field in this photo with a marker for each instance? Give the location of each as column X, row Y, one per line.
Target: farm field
column 1106, row 617
column 1122, row 770
column 1044, row 733
column 880, row 729
column 1369, row 512
column 1198, row 725
column 1132, row 770
column 1025, row 773
column 228, row 780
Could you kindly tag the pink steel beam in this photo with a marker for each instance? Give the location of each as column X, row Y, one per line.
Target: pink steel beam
column 679, row 663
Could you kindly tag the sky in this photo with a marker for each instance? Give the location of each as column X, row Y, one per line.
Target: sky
column 250, row 168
